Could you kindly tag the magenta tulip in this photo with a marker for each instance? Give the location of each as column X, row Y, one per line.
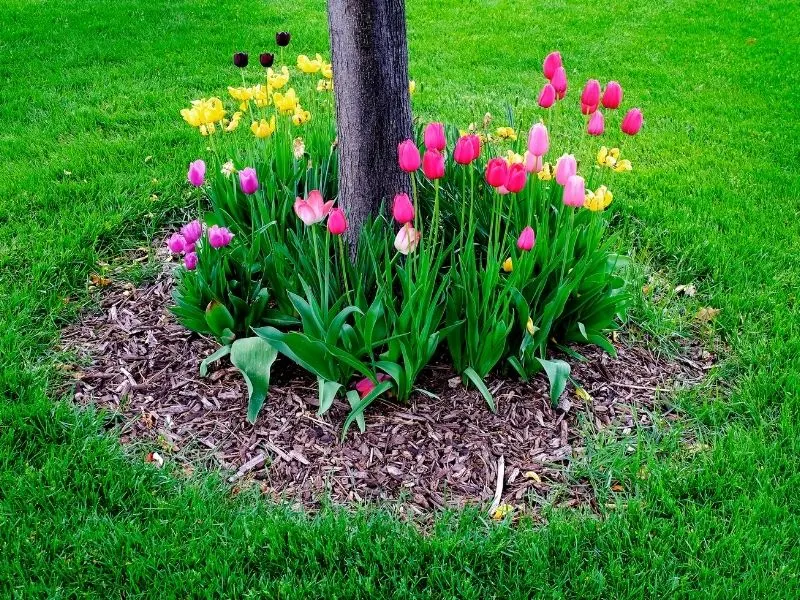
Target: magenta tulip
column 366, row 385
column 337, row 223
column 596, row 124
column 547, row 96
column 590, row 97
column 176, row 243
column 433, row 164
column 559, row 82
column 632, row 122
column 526, row 239
column 575, row 191
column 219, row 236
column 497, row 172
column 406, row 240
column 197, row 173
column 612, row 96
column 248, row 180
column 190, row 261
column 551, row 63
column 464, row 152
column 402, row 209
column 538, row 140
column 566, row 167
column 517, row 178
column 408, row 156
column 192, row 231
column 434, row 137
column 475, row 140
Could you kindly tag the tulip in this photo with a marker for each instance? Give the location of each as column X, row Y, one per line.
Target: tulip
column 266, row 59
column 176, row 243
column 612, row 96
column 192, row 231
column 596, row 124
column 248, row 180
column 282, row 38
column 559, row 82
column 632, row 122
column 476, row 145
column 402, row 209
column 547, row 96
column 406, row 239
column 197, row 172
column 526, row 239
column 433, row 164
column 566, row 167
column 337, row 222
column 508, row 265
column 517, row 178
column 575, row 191
column 408, row 156
column 434, row 137
column 313, row 209
column 240, row 59
column 590, row 97
column 366, row 385
column 190, row 261
column 551, row 63
column 538, row 140
column 533, row 163
column 464, row 152
column 497, row 172
column 219, row 236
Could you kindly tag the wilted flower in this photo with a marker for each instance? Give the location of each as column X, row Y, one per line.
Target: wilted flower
column 313, row 209
column 248, row 180
column 324, row 85
column 298, row 148
column 565, row 168
column 433, row 164
column 192, row 231
column 234, row 122
column 623, row 166
column 402, row 209
column 632, row 122
column 190, row 261
column 612, row 96
column 176, row 243
column 227, row 168
column 408, row 156
column 337, row 223
column 526, row 239
column 406, row 240
column 300, row 116
column 282, row 38
column 263, row 128
column 197, row 173
column 575, row 191
column 240, row 59
column 219, row 237
column 266, row 59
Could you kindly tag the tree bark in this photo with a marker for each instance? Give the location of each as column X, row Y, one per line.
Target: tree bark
column 373, row 109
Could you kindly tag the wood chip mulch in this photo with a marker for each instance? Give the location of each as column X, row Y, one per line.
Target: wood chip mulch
column 136, row 361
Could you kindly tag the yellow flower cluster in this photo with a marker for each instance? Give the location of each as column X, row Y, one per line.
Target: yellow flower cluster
column 506, row 133
column 276, row 81
column 547, row 172
column 610, row 158
column 599, row 199
column 204, row 113
column 317, row 65
column 259, row 94
column 263, row 128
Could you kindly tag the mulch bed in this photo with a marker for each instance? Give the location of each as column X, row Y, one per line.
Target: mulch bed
column 431, row 453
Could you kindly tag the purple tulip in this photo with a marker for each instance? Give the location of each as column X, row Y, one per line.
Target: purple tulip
column 190, row 261
column 248, row 180
column 176, row 243
column 197, row 173
column 219, row 236
column 192, row 232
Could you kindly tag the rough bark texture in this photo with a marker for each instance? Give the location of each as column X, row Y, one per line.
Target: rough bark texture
column 373, row 109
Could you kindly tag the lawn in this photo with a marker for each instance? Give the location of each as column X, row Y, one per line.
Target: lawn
column 92, row 164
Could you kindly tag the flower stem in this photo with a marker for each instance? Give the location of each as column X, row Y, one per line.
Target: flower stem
column 344, row 269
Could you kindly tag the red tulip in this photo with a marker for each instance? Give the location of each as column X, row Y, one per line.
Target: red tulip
column 590, row 97
column 337, row 223
column 526, row 239
column 433, row 164
column 408, row 156
column 547, row 96
column 517, row 178
column 559, row 82
column 551, row 62
column 402, row 209
column 476, row 145
column 632, row 122
column 434, row 137
column 596, row 124
column 612, row 96
column 497, row 172
column 464, row 153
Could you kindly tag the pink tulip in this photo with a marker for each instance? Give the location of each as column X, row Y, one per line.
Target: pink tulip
column 475, row 140
column 190, row 261
column 559, row 82
column 612, row 96
column 566, row 167
column 402, row 209
column 434, row 137
column 197, row 173
column 219, row 236
column 248, row 180
column 366, row 385
column 433, row 164
column 538, row 140
column 313, row 209
column 337, row 222
column 192, row 231
column 632, row 122
column 497, row 172
column 596, row 124
column 406, row 239
column 575, row 191
column 526, row 239
column 464, row 153
column 176, row 243
column 590, row 97
column 408, row 156
column 517, row 178
column 533, row 163
column 551, row 62
column 547, row 96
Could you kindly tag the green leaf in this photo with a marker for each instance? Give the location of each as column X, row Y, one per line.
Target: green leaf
column 478, row 383
column 353, row 399
column 327, row 394
column 309, row 354
column 254, row 356
column 358, row 409
column 212, row 358
column 557, row 373
column 219, row 318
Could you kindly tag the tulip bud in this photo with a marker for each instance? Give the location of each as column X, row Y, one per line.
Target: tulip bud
column 434, row 137
column 559, row 82
column 508, row 265
column 248, row 180
column 551, row 62
column 538, row 140
column 197, row 173
column 266, row 59
column 475, row 140
column 406, row 240
column 408, row 156
column 497, row 172
column 526, row 239
column 632, row 122
column 464, row 153
column 590, row 97
column 192, row 231
column 337, row 223
column 433, row 164
column 517, row 178
column 190, row 261
column 566, row 167
column 240, row 59
column 596, row 124
column 282, row 38
column 575, row 191
column 612, row 96
column 547, row 96
column 176, row 243
column 402, row 209
column 219, row 236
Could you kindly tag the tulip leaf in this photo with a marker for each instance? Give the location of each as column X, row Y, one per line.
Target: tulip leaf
column 327, row 394
column 359, row 408
column 212, row 358
column 254, row 356
column 481, row 387
column 557, row 373
column 219, row 318
column 353, row 399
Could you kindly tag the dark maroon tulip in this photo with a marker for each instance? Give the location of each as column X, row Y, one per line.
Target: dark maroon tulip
column 240, row 59
column 282, row 38
column 266, row 59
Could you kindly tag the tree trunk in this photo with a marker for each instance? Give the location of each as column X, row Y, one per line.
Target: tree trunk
column 373, row 108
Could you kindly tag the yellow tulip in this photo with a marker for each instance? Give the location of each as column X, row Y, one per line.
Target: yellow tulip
column 530, row 327
column 412, row 86
column 307, row 65
column 623, row 166
column 324, row 85
column 286, row 103
column 300, row 116
column 599, row 199
column 263, row 128
column 506, row 133
column 602, row 154
column 508, row 265
column 234, row 122
column 327, row 71
column 277, row 81
column 514, row 158
column 546, row 174
column 204, row 112
column 241, row 94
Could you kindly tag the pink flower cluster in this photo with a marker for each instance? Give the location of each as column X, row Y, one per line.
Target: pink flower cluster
column 185, row 241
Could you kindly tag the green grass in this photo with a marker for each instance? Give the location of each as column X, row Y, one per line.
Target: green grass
column 91, row 89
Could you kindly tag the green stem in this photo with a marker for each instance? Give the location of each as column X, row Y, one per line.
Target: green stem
column 344, row 269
